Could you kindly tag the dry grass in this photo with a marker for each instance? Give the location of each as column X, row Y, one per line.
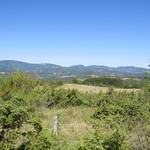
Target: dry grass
column 95, row 89
column 74, row 122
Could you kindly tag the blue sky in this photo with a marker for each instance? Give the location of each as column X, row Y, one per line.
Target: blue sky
column 68, row 32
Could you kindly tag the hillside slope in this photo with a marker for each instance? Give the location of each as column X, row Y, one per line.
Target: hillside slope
column 47, row 70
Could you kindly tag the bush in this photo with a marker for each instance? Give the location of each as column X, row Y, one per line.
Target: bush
column 13, row 113
column 97, row 142
column 115, row 142
column 91, row 142
column 45, row 141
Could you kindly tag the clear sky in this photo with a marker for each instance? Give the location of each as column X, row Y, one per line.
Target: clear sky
column 69, row 32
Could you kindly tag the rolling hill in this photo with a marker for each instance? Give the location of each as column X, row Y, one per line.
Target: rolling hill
column 51, row 70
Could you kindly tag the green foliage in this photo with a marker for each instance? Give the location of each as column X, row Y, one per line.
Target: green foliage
column 104, row 81
column 65, row 98
column 125, row 108
column 116, row 82
column 75, row 81
column 92, row 142
column 36, row 122
column 45, row 141
column 21, row 95
column 17, row 83
column 13, row 113
column 115, row 142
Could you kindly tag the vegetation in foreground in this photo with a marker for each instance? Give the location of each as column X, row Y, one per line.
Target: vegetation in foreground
column 87, row 121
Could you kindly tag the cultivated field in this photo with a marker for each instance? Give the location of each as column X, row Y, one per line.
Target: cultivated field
column 95, row 89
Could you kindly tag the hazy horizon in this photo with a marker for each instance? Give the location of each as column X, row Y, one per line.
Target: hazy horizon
column 88, row 32
column 73, row 64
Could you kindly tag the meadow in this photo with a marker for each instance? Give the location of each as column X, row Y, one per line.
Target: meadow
column 97, row 89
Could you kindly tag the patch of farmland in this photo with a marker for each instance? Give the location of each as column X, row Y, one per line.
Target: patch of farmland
column 95, row 89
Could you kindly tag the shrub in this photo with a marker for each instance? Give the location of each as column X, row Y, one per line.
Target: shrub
column 45, row 141
column 91, row 142
column 115, row 142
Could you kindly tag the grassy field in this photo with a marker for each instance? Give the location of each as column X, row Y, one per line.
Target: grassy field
column 95, row 89
column 74, row 122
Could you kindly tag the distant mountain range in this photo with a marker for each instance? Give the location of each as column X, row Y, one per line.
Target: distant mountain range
column 51, row 70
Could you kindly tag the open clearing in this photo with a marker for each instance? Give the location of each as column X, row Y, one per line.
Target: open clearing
column 73, row 121
column 96, row 89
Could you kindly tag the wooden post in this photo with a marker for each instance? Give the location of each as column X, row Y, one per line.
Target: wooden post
column 55, row 125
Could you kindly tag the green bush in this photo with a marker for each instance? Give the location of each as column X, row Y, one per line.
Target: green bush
column 45, row 141
column 91, row 142
column 115, row 142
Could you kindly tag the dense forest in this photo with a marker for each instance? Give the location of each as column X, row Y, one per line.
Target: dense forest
column 106, row 121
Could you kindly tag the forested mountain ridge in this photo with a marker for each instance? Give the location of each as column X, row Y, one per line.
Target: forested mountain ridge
column 46, row 69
